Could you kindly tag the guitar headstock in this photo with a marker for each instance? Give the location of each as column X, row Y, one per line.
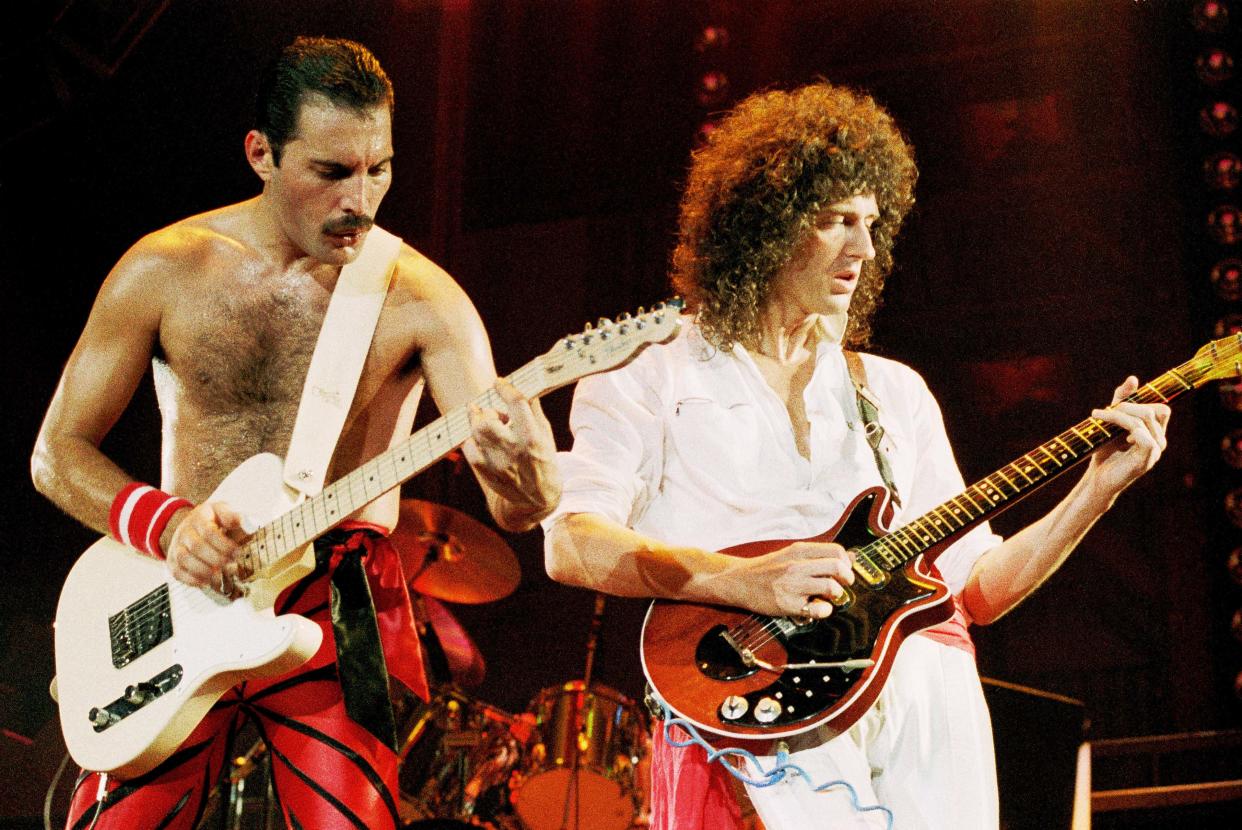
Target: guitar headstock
column 1219, row 359
column 610, row 343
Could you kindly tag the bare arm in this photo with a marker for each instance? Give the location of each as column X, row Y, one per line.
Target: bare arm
column 1010, row 572
column 512, row 453
column 99, row 379
column 591, row 551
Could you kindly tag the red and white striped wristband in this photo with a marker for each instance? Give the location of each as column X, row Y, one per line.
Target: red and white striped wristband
column 139, row 515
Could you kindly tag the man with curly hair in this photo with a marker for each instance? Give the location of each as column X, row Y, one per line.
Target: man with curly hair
column 749, row 426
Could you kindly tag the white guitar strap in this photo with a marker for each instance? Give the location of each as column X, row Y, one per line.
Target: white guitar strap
column 336, row 366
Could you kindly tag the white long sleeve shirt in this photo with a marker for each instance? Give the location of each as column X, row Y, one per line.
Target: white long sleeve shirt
column 689, row 445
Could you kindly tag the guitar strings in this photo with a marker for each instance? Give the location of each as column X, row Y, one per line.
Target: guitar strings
column 756, row 631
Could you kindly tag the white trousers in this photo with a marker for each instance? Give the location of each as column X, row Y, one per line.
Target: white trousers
column 924, row 751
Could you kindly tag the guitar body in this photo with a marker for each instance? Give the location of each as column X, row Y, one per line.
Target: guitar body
column 141, row 657
column 691, row 652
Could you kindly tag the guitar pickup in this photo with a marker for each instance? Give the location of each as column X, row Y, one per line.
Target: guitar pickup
column 134, row 698
column 870, row 573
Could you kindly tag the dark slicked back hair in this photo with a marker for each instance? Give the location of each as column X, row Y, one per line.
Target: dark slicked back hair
column 756, row 188
column 342, row 71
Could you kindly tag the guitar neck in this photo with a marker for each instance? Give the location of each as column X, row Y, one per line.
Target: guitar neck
column 1002, row 489
column 317, row 515
column 573, row 358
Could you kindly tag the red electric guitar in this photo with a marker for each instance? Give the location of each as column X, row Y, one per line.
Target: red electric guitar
column 748, row 676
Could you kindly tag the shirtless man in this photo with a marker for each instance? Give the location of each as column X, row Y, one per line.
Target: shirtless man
column 228, row 306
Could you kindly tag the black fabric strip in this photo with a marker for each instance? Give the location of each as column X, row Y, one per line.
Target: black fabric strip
column 359, row 652
column 324, row 794
column 357, row 760
column 177, row 808
column 86, row 818
column 323, row 552
column 271, row 777
column 319, row 675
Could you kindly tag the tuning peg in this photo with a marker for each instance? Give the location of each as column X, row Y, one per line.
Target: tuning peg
column 641, row 311
column 604, row 322
column 587, row 327
column 623, row 316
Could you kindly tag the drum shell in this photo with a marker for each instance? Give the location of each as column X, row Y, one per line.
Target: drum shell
column 608, row 739
column 581, row 766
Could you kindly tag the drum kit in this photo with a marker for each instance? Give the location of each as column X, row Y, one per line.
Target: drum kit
column 576, row 759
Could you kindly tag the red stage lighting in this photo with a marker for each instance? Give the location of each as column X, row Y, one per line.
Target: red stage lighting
column 1219, row 118
column 1226, row 277
column 1230, row 394
column 1210, row 16
column 1231, row 449
column 1214, row 65
column 712, row 37
column 713, row 87
column 1223, row 171
column 1233, row 505
column 1227, row 325
column 1225, row 224
column 704, row 132
column 1235, row 565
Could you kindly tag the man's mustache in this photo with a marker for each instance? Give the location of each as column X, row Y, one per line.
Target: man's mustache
column 349, row 223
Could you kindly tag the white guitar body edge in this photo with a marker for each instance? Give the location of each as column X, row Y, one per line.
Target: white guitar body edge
column 216, row 642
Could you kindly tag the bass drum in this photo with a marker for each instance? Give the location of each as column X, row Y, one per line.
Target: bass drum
column 582, row 769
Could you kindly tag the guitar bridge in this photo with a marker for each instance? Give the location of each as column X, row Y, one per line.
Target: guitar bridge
column 140, row 627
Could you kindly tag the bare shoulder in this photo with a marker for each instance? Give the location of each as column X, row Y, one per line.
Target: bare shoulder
column 168, row 258
column 439, row 310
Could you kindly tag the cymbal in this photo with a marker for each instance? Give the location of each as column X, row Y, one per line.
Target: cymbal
column 450, row 556
column 465, row 661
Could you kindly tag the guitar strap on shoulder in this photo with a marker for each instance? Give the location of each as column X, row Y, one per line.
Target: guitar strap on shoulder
column 869, row 412
column 336, row 365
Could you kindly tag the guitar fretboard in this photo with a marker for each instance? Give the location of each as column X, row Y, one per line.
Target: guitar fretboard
column 573, row 358
column 1003, row 488
column 319, row 514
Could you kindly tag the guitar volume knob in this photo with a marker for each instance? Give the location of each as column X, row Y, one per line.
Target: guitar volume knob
column 767, row 710
column 733, row 707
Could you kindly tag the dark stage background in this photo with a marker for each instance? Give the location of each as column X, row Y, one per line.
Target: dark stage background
column 1056, row 248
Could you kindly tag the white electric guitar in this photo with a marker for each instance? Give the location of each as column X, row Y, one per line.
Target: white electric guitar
column 141, row 657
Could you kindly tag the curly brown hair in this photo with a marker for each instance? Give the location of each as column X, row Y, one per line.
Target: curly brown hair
column 756, row 187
